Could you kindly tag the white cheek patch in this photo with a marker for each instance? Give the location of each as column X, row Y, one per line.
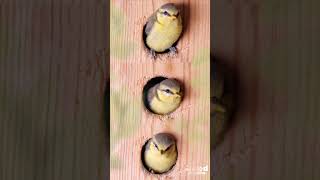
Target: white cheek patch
column 167, row 94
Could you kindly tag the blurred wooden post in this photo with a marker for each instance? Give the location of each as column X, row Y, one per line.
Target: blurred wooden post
column 131, row 67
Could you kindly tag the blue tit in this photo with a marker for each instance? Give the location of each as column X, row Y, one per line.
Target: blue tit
column 163, row 29
column 160, row 153
column 221, row 103
column 165, row 97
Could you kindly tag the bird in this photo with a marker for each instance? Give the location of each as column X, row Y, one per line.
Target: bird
column 165, row 97
column 163, row 29
column 160, row 153
column 221, row 103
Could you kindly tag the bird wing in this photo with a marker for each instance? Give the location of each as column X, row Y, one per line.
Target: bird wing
column 150, row 23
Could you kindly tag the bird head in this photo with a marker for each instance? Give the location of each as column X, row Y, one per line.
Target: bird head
column 168, row 13
column 169, row 91
column 163, row 143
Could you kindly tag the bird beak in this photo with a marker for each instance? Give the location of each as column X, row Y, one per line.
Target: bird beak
column 173, row 17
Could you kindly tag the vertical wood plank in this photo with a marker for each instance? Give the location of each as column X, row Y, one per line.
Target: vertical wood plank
column 131, row 68
column 270, row 47
column 52, row 67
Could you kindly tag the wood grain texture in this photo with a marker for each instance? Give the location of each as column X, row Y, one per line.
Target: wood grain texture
column 52, row 75
column 52, row 68
column 273, row 49
column 131, row 125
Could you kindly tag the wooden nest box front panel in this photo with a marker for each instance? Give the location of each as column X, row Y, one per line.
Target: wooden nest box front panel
column 131, row 67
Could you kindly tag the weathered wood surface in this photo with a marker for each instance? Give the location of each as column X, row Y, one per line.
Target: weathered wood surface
column 52, row 68
column 131, row 67
column 273, row 49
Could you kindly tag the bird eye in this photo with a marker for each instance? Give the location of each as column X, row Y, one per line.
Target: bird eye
column 167, row 91
column 156, row 146
column 166, row 13
column 168, row 147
